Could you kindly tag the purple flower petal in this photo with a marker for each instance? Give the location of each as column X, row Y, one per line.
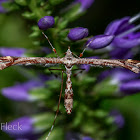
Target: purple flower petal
column 126, row 43
column 87, row 138
column 100, row 41
column 118, row 75
column 12, row 51
column 133, row 35
column 32, row 84
column 114, row 27
column 86, row 67
column 118, row 118
column 121, row 53
column 85, row 4
column 122, row 75
column 104, row 75
column 130, row 87
column 78, row 33
column 17, row 93
column 20, row 92
column 46, row 22
column 124, row 37
column 21, row 127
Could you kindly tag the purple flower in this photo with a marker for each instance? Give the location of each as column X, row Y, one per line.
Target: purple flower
column 126, row 42
column 122, row 75
column 125, row 37
column 12, row 52
column 104, row 75
column 130, row 87
column 100, row 41
column 125, row 80
column 118, row 75
column 118, row 118
column 19, row 128
column 46, row 22
column 121, row 53
column 85, row 4
column 2, row 9
column 78, row 33
column 118, row 26
column 20, row 91
column 87, row 138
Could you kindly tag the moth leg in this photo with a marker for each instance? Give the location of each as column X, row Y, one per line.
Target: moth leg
column 57, row 111
column 56, row 75
column 81, row 71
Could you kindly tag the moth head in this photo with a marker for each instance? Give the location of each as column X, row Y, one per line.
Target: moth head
column 68, row 52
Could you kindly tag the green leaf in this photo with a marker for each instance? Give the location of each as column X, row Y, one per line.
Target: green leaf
column 36, row 43
column 43, row 121
column 10, row 6
column 34, row 34
column 21, row 2
column 105, row 88
column 29, row 15
column 73, row 13
column 100, row 113
column 109, row 120
column 54, row 84
column 88, row 80
column 62, row 24
column 63, row 34
column 55, row 2
column 41, row 93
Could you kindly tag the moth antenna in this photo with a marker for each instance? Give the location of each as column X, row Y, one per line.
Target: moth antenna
column 75, row 55
column 54, row 50
column 57, row 111
column 81, row 54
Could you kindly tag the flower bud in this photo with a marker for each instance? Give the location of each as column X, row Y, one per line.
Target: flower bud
column 46, row 22
column 100, row 41
column 78, row 33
